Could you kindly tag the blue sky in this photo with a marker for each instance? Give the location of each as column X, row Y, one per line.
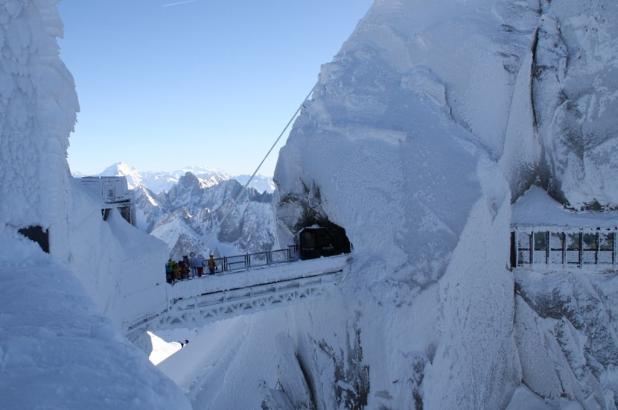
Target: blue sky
column 165, row 84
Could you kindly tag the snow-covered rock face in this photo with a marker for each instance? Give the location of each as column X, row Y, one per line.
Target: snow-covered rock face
column 432, row 117
column 394, row 133
column 37, row 112
column 566, row 335
column 57, row 350
column 576, row 100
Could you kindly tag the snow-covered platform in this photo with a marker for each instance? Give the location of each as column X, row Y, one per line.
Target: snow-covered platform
column 544, row 232
column 193, row 303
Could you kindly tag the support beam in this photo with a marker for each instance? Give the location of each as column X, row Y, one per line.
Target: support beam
column 531, row 250
column 580, row 256
column 564, row 247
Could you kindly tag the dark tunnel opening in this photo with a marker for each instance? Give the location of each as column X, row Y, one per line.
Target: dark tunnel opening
column 323, row 238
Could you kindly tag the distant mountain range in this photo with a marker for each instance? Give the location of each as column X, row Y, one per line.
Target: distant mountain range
column 160, row 181
column 185, row 209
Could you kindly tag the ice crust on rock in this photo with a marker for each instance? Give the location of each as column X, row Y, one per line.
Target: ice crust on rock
column 575, row 94
column 432, row 118
column 37, row 112
column 58, row 351
column 60, row 340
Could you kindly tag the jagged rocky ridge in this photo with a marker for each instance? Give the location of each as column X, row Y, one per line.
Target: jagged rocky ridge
column 161, row 181
column 187, row 217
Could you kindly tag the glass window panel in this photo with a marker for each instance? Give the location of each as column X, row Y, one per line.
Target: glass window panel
column 590, row 241
column 607, row 241
column 572, row 241
column 523, row 240
column 572, row 256
column 523, row 257
column 555, row 240
column 605, row 257
column 540, row 241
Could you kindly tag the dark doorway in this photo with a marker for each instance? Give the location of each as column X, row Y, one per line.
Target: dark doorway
column 36, row 234
column 327, row 240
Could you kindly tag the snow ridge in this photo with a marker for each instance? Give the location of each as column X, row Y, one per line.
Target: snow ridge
column 187, row 217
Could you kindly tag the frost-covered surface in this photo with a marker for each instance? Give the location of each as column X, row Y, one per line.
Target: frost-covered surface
column 57, row 351
column 429, row 122
column 121, row 268
column 407, row 144
column 575, row 94
column 37, row 112
column 431, row 119
column 537, row 208
column 567, row 335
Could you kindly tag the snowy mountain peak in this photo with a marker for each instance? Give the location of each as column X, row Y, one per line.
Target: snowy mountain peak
column 189, row 180
column 134, row 178
column 160, row 181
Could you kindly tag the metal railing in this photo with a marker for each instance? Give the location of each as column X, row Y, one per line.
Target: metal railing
column 577, row 247
column 238, row 263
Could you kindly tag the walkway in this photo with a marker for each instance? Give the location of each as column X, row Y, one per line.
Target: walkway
column 194, row 303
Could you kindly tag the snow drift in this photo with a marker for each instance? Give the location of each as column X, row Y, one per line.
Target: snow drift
column 57, row 349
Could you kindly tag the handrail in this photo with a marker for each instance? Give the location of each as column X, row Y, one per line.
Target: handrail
column 563, row 247
column 239, row 263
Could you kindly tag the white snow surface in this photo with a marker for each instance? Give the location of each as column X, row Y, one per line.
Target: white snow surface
column 121, row 268
column 537, row 209
column 412, row 143
column 57, row 351
column 60, row 346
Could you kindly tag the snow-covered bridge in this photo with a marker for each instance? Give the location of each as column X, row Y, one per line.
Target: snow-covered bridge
column 194, row 303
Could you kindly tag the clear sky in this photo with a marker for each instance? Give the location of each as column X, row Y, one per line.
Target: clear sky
column 165, row 84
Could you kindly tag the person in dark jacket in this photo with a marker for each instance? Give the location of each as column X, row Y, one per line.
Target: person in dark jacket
column 212, row 264
column 184, row 269
column 177, row 271
column 186, row 272
column 169, row 271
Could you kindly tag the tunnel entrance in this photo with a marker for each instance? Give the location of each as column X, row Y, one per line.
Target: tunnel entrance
column 322, row 239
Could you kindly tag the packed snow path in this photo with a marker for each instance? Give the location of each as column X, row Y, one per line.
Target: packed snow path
column 194, row 303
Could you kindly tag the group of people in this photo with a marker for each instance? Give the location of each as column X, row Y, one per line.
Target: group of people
column 189, row 267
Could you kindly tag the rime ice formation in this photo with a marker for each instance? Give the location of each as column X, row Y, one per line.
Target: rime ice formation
column 433, row 117
column 37, row 113
column 575, row 96
column 57, row 348
column 431, row 121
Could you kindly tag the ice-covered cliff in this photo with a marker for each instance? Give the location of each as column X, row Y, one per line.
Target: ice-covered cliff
column 575, row 99
column 37, row 113
column 60, row 341
column 433, row 117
